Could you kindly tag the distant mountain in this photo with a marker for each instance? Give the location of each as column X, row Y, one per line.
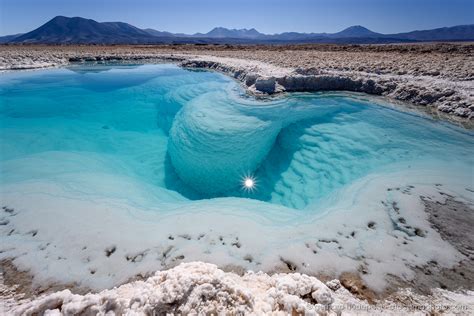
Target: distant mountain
column 77, row 30
column 455, row 33
column 354, row 32
column 84, row 31
column 8, row 38
column 292, row 36
column 158, row 33
column 222, row 32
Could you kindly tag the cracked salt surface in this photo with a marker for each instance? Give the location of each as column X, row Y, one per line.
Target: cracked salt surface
column 107, row 172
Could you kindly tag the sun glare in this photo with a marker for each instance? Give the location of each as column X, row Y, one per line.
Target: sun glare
column 248, row 183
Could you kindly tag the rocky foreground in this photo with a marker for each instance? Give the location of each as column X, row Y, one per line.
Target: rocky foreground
column 199, row 288
column 439, row 77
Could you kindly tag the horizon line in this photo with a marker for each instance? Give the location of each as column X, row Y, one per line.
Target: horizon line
column 233, row 28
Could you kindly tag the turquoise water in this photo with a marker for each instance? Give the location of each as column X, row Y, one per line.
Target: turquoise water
column 195, row 134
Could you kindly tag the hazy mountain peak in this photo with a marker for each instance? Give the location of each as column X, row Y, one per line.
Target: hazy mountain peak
column 63, row 29
column 358, row 28
column 356, row 31
column 222, row 32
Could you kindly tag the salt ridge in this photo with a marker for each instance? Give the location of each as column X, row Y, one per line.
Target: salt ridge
column 202, row 288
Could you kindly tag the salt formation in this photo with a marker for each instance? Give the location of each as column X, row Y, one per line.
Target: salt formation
column 101, row 171
column 213, row 146
column 437, row 76
column 214, row 143
column 201, row 288
column 192, row 288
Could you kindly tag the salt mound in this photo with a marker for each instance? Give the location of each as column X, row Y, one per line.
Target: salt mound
column 192, row 288
column 213, row 146
column 200, row 288
column 215, row 141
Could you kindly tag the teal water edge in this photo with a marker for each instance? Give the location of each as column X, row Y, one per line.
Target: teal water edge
column 194, row 134
column 110, row 171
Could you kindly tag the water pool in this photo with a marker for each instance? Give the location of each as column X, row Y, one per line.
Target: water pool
column 129, row 154
column 298, row 149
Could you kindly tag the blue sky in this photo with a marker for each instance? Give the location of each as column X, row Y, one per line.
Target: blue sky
column 271, row 16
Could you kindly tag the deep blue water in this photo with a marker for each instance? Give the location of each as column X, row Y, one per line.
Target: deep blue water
column 197, row 134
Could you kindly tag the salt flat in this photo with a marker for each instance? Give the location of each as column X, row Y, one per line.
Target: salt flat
column 100, row 174
column 436, row 76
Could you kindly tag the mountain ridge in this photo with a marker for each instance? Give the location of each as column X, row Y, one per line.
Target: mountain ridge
column 78, row 30
column 222, row 32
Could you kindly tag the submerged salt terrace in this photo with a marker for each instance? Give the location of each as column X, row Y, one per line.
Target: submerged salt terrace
column 194, row 134
column 115, row 170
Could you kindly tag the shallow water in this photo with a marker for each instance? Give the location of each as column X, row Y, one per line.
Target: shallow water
column 149, row 161
column 195, row 134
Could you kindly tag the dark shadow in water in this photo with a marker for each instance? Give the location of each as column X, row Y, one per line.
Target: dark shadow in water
column 197, row 70
column 166, row 111
column 267, row 175
column 174, row 182
column 270, row 171
column 279, row 159
column 105, row 79
column 94, row 68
